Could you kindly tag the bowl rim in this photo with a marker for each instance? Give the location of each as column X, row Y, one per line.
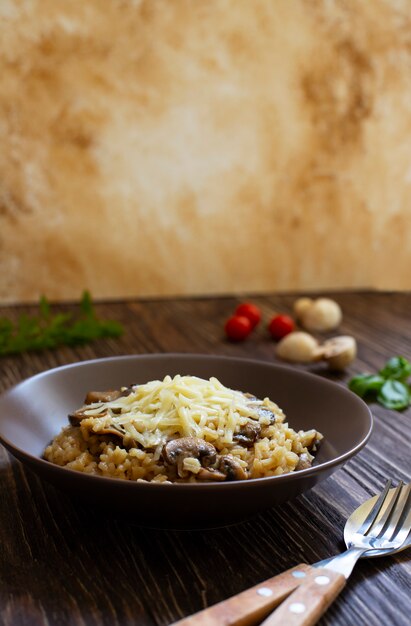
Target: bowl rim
column 40, row 463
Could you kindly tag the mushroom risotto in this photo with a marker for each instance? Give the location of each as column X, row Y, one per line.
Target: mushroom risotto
column 181, row 429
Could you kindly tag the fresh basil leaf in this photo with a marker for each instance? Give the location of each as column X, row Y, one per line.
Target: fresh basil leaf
column 394, row 395
column 397, row 368
column 366, row 384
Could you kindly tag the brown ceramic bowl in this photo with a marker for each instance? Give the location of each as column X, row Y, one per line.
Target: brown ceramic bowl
column 34, row 411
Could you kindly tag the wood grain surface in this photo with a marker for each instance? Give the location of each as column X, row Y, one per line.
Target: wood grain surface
column 65, row 564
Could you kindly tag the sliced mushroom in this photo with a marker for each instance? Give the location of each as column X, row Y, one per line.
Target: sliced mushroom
column 211, row 474
column 248, row 433
column 107, row 396
column 339, row 351
column 94, row 397
column 175, row 451
column 102, row 396
column 231, row 468
column 263, row 412
column 310, row 439
column 227, row 468
column 189, row 447
column 112, row 429
column 304, row 462
column 78, row 416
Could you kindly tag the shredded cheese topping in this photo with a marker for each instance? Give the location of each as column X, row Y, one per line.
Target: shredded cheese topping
column 182, row 406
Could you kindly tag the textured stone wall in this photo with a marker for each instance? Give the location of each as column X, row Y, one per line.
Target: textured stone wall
column 155, row 147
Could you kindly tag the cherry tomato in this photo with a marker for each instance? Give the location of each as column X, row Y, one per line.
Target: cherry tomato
column 251, row 311
column 237, row 327
column 280, row 326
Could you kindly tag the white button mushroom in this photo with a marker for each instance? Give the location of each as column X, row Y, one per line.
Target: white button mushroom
column 339, row 351
column 301, row 305
column 321, row 315
column 301, row 347
column 298, row 347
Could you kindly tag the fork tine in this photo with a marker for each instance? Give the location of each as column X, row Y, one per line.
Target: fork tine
column 378, row 528
column 373, row 514
column 403, row 525
column 394, row 515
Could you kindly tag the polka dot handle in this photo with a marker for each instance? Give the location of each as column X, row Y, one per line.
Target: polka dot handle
column 251, row 606
column 309, row 601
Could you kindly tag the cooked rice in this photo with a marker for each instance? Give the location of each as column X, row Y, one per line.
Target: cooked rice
column 143, row 420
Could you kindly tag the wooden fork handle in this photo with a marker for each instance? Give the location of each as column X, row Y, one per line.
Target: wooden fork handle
column 250, row 606
column 306, row 604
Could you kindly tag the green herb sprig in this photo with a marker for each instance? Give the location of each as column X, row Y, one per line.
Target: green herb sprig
column 48, row 330
column 389, row 387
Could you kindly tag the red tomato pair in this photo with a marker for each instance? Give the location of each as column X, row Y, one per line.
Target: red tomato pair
column 240, row 325
column 248, row 315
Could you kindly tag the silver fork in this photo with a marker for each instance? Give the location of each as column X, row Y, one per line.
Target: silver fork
column 386, row 527
column 383, row 530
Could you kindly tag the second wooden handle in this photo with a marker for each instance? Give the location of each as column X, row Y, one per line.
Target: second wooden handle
column 250, row 606
column 306, row 604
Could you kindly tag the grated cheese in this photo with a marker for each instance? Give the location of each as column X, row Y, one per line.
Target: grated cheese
column 182, row 406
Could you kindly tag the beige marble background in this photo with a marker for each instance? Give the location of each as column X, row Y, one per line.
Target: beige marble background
column 156, row 147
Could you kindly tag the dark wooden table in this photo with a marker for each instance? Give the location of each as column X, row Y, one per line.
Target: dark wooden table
column 65, row 564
